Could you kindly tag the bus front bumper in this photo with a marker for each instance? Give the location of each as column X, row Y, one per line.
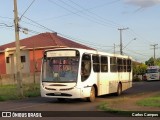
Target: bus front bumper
column 62, row 93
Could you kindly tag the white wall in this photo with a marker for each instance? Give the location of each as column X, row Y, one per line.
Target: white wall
column 11, row 66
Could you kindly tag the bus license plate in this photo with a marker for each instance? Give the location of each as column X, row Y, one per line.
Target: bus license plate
column 57, row 93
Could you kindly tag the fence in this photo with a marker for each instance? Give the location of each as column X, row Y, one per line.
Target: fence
column 27, row 78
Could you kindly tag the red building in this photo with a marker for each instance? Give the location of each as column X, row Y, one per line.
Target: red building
column 32, row 49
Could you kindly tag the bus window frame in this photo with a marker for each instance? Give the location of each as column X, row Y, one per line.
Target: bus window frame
column 104, row 63
column 96, row 63
column 84, row 74
column 113, row 64
column 129, row 65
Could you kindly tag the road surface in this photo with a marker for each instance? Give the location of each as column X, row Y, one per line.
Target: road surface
column 47, row 104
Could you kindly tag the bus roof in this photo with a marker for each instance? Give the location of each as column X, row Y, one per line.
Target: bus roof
column 92, row 52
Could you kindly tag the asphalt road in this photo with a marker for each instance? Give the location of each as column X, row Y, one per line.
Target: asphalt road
column 47, row 104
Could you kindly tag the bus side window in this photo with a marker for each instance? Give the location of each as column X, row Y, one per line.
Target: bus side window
column 85, row 67
column 113, row 64
column 120, row 64
column 129, row 63
column 104, row 64
column 96, row 63
column 125, row 65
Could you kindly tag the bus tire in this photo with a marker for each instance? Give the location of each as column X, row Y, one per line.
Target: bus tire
column 92, row 95
column 119, row 89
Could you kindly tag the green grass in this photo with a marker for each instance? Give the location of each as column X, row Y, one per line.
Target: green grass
column 9, row 92
column 117, row 112
column 105, row 107
column 153, row 101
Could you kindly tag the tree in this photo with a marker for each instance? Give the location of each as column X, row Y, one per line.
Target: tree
column 139, row 68
column 157, row 62
column 150, row 62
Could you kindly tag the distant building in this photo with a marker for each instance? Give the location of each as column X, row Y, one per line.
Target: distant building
column 32, row 49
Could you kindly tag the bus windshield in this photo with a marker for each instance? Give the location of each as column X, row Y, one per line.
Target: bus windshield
column 152, row 70
column 60, row 69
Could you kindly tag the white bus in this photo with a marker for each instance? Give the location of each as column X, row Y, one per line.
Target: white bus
column 81, row 73
column 153, row 73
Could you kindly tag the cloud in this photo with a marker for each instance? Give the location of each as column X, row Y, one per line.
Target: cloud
column 142, row 3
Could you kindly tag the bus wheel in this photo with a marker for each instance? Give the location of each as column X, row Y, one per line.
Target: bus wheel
column 92, row 95
column 119, row 89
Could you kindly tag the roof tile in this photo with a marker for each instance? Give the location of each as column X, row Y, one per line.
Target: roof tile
column 44, row 40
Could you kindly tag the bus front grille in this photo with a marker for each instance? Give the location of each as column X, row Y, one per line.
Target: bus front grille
column 62, row 94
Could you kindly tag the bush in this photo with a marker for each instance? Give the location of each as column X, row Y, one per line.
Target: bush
column 136, row 79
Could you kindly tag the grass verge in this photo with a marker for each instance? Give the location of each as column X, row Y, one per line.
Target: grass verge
column 9, row 92
column 153, row 101
column 117, row 112
column 104, row 106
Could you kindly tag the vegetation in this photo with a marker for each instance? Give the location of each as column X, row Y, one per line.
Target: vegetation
column 153, row 101
column 117, row 112
column 136, row 79
column 104, row 106
column 152, row 62
column 9, row 92
column 139, row 68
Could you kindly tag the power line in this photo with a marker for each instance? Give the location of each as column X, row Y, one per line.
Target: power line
column 66, row 36
column 139, row 36
column 97, row 18
column 89, row 44
column 26, row 9
column 81, row 41
column 82, row 16
column 6, row 17
column 136, row 52
column 5, row 25
column 94, row 44
column 44, row 26
column 83, row 10
column 39, row 24
column 101, row 18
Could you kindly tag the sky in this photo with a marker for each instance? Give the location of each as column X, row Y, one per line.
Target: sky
column 94, row 23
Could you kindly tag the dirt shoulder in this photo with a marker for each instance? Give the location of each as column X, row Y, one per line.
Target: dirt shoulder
column 129, row 103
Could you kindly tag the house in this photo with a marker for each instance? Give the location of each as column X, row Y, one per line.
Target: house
column 32, row 49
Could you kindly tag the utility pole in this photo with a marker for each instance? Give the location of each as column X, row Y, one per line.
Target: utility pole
column 34, row 63
column 18, row 61
column 121, row 45
column 154, row 48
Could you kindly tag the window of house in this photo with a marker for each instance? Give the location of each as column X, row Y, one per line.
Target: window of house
column 104, row 64
column 113, row 64
column 96, row 63
column 7, row 60
column 23, row 59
